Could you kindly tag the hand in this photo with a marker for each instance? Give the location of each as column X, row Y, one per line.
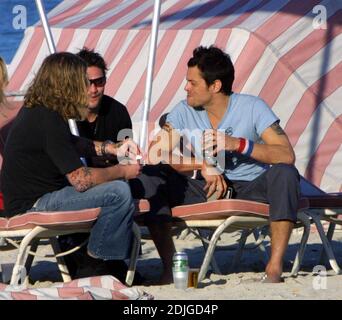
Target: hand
column 214, row 181
column 215, row 141
column 127, row 151
column 130, row 171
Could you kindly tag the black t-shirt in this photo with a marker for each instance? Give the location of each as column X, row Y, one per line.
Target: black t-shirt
column 111, row 119
column 37, row 156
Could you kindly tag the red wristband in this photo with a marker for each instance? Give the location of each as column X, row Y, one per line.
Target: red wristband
column 242, row 145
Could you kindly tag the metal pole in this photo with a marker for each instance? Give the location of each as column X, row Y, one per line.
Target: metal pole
column 52, row 49
column 46, row 26
column 149, row 77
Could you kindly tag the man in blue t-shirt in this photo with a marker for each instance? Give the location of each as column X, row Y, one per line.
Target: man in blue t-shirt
column 236, row 142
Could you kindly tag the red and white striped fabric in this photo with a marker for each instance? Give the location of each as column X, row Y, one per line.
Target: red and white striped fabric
column 282, row 50
column 93, row 288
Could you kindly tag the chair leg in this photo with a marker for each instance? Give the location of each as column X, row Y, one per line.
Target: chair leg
column 259, row 238
column 134, row 255
column 62, row 267
column 3, row 242
column 330, row 234
column 184, row 234
column 212, row 245
column 326, row 244
column 241, row 245
column 19, row 272
column 300, row 253
column 30, row 257
column 213, row 262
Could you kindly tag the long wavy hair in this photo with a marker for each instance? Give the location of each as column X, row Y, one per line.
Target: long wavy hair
column 60, row 85
column 3, row 80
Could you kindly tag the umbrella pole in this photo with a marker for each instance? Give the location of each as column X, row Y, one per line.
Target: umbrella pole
column 46, row 26
column 149, row 78
column 52, row 49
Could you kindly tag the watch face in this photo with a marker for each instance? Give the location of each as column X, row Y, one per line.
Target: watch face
column 229, row 131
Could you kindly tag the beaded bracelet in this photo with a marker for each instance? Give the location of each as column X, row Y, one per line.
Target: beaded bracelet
column 245, row 147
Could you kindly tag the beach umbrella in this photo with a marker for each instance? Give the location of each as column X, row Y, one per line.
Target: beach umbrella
column 287, row 52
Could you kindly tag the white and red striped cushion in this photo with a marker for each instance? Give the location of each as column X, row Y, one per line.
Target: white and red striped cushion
column 222, row 209
column 93, row 288
column 55, row 219
column 80, row 219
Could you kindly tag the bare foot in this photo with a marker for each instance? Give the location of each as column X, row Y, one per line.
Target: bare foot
column 272, row 279
column 273, row 274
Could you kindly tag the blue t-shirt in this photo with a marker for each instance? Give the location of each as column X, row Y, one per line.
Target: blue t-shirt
column 246, row 117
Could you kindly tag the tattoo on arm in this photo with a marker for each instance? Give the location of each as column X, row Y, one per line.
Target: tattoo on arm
column 277, row 129
column 82, row 179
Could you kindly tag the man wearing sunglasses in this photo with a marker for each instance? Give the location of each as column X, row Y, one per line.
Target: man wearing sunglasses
column 107, row 119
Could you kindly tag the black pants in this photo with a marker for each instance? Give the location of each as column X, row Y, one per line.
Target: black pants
column 166, row 188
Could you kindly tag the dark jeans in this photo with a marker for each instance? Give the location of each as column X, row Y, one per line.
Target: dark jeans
column 166, row 188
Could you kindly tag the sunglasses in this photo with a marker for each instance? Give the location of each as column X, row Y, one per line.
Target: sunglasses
column 98, row 82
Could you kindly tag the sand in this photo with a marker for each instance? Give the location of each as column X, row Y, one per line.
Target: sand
column 241, row 283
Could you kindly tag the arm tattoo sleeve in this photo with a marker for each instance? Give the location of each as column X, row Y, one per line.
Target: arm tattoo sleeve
column 277, row 129
column 82, row 179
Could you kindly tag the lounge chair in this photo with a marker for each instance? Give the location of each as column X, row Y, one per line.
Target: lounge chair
column 229, row 215
column 31, row 227
column 322, row 206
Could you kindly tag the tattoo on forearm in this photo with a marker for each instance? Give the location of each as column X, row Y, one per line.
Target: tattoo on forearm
column 82, row 179
column 277, row 128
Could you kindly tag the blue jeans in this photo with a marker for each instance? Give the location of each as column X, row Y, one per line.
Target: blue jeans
column 111, row 235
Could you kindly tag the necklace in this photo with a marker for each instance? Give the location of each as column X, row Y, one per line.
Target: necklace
column 91, row 128
column 96, row 126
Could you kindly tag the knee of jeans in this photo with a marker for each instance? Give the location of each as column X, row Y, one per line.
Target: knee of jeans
column 121, row 189
column 286, row 171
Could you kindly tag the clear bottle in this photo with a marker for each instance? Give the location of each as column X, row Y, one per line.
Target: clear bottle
column 180, row 270
column 207, row 155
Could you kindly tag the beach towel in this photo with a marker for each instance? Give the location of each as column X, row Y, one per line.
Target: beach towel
column 92, row 288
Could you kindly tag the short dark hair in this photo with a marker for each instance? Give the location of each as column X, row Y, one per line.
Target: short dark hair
column 214, row 64
column 93, row 59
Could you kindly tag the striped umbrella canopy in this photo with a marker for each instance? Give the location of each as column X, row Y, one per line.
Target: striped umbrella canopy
column 287, row 52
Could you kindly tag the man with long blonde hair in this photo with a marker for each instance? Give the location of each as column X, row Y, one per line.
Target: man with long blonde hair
column 42, row 170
